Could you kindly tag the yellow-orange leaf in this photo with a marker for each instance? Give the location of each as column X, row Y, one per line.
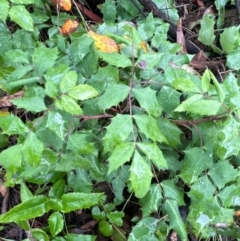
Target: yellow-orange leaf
column 65, row 5
column 104, row 43
column 68, row 27
column 143, row 46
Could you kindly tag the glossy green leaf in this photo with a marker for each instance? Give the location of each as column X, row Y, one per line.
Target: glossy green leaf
column 33, row 100
column 118, row 131
column 44, row 58
column 147, row 99
column 39, row 234
column 147, row 28
column 121, row 154
column 109, row 11
column 68, row 81
column 22, row 17
column 230, row 44
column 144, row 230
column 172, row 192
column 55, row 222
column 229, row 196
column 82, row 92
column 25, row 193
column 4, row 8
column 151, row 201
column 69, row 105
column 57, row 189
column 222, row 173
column 6, row 44
column 218, row 87
column 153, row 153
column 105, row 228
column 23, row 1
column 114, row 94
column 176, row 222
column 196, row 160
column 140, row 175
column 232, row 60
column 12, row 125
column 115, row 59
column 78, row 201
column 185, row 85
column 149, row 127
column 115, row 217
column 32, row 208
column 206, row 32
column 18, row 56
column 82, row 237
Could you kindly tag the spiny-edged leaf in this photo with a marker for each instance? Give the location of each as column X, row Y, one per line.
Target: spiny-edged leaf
column 22, row 17
column 83, row 92
column 144, row 230
column 39, row 234
column 170, row 131
column 206, row 32
column 201, row 107
column 140, row 175
column 176, row 222
column 77, row 237
column 221, row 173
column 196, row 160
column 44, row 58
column 229, row 44
column 4, row 8
column 33, row 100
column 12, row 125
column 109, row 11
column 149, row 127
column 151, row 201
column 115, row 59
column 121, row 154
column 68, row 81
column 118, row 131
column 56, row 123
column 69, row 105
column 229, row 196
column 32, row 149
column 77, row 201
column 147, row 99
column 114, row 94
column 115, row 217
column 188, row 102
column 32, row 208
column 153, row 152
column 185, row 85
column 218, row 87
column 171, row 191
column 205, row 81
column 55, row 222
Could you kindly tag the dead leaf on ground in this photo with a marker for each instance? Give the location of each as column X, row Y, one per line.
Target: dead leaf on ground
column 70, row 26
column 5, row 101
column 104, row 43
column 64, row 5
column 180, row 37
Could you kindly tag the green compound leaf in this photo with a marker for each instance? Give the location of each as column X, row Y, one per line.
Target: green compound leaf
column 151, row 201
column 83, row 92
column 144, row 230
column 76, row 201
column 44, row 58
column 147, row 99
column 114, row 94
column 196, row 160
column 55, row 222
column 118, row 131
column 32, row 149
column 4, row 8
column 22, row 17
column 185, row 85
column 116, row 59
column 222, row 173
column 140, row 175
column 149, row 127
column 12, row 125
column 69, row 105
column 68, row 81
column 121, row 154
column 32, row 208
column 153, row 153
column 176, row 222
column 33, row 100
